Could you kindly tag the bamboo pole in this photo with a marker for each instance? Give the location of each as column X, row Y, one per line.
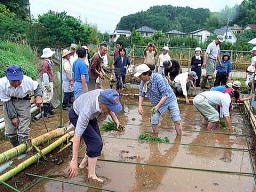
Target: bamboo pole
column 34, row 158
column 5, row 156
column 252, row 117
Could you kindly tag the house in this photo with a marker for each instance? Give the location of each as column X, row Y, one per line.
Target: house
column 201, row 34
column 236, row 29
column 146, row 31
column 227, row 34
column 250, row 26
column 175, row 33
column 119, row 33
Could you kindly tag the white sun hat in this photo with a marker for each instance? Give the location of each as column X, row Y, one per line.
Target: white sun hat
column 198, row 49
column 47, row 52
column 166, row 48
column 141, row 69
column 251, row 69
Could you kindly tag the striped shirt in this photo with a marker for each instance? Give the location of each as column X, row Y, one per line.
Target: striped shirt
column 158, row 87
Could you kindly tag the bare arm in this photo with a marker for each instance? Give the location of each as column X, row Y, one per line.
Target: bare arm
column 84, row 84
column 114, row 118
column 205, row 57
column 140, row 104
column 73, row 166
column 163, row 99
column 229, row 122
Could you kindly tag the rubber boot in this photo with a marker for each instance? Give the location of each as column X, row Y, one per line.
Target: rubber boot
column 14, row 140
column 22, row 139
column 50, row 109
column 46, row 110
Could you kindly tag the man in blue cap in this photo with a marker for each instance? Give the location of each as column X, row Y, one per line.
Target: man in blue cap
column 15, row 89
column 83, row 115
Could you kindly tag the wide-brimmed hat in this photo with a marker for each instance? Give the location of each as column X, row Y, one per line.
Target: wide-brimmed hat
column 253, row 49
column 73, row 46
column 141, row 69
column 237, row 84
column 251, row 69
column 111, row 98
column 14, row 73
column 47, row 52
column 65, row 52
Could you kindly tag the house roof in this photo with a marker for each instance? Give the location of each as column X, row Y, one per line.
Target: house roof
column 236, row 27
column 122, row 31
column 199, row 30
column 146, row 29
column 222, row 29
column 253, row 26
column 175, row 32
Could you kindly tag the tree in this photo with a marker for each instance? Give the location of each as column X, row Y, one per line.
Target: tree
column 19, row 7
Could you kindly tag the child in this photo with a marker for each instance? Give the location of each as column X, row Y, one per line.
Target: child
column 223, row 70
column 196, row 64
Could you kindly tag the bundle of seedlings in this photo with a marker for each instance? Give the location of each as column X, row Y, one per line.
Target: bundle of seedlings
column 148, row 137
column 223, row 123
column 111, row 126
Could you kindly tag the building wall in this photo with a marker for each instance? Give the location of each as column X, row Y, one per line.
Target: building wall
column 202, row 35
column 229, row 37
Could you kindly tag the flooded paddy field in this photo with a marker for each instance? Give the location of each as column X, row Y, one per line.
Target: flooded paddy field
column 199, row 160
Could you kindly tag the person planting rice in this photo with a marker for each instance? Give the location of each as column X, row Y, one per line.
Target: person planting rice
column 83, row 115
column 14, row 93
column 161, row 95
column 208, row 102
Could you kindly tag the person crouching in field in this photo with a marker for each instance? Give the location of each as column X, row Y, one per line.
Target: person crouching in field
column 223, row 70
column 15, row 89
column 160, row 94
column 83, row 115
column 208, row 102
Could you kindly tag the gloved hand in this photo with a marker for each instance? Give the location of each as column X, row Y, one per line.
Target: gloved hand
column 48, row 88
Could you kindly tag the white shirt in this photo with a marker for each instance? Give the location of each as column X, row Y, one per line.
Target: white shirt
column 253, row 63
column 73, row 58
column 249, row 78
column 163, row 58
column 217, row 98
column 182, row 79
column 105, row 60
column 26, row 87
column 213, row 50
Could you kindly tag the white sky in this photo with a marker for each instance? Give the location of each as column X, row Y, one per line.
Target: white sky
column 105, row 14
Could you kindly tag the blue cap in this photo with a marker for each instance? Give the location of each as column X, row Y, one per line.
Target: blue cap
column 14, row 72
column 111, row 98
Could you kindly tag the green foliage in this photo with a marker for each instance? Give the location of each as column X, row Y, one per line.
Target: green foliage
column 246, row 13
column 223, row 123
column 18, row 54
column 19, row 7
column 111, row 126
column 148, row 137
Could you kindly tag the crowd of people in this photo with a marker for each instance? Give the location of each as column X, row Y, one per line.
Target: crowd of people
column 161, row 78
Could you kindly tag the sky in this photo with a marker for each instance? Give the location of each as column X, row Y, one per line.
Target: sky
column 106, row 14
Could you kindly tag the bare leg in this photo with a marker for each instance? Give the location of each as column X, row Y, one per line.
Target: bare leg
column 211, row 125
column 84, row 162
column 92, row 161
column 178, row 127
column 205, row 122
column 155, row 129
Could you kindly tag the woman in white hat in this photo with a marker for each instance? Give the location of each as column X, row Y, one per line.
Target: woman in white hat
column 249, row 76
column 164, row 56
column 196, row 64
column 47, row 80
column 253, row 63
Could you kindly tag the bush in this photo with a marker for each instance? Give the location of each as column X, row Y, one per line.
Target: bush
column 18, row 54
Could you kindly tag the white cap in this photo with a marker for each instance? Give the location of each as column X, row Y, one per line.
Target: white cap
column 220, row 38
column 253, row 49
column 166, row 48
column 141, row 69
column 251, row 69
column 237, row 84
column 229, row 85
column 198, row 49
column 47, row 52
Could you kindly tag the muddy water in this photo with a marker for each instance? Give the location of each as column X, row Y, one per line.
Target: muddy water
column 142, row 170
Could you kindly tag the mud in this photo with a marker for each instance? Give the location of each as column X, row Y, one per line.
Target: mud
column 127, row 164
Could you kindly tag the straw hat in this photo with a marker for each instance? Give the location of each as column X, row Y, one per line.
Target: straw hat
column 65, row 52
column 47, row 52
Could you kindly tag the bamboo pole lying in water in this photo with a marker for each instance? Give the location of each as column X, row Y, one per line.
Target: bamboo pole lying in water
column 34, row 158
column 5, row 156
column 252, row 117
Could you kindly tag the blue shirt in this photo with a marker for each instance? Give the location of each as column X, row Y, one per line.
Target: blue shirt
column 80, row 68
column 158, row 87
column 219, row 88
column 226, row 66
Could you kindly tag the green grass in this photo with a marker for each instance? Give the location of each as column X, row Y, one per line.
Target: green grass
column 148, row 137
column 18, row 54
column 111, row 126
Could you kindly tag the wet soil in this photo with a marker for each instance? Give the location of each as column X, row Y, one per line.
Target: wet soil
column 127, row 164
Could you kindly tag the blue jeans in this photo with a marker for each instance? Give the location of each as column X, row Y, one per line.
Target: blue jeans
column 78, row 89
column 173, row 110
column 91, row 135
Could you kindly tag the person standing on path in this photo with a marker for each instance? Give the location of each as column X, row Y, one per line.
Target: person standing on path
column 211, row 57
column 80, row 73
column 83, row 115
column 160, row 94
column 15, row 90
column 150, row 53
column 67, row 79
column 47, row 81
column 196, row 64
